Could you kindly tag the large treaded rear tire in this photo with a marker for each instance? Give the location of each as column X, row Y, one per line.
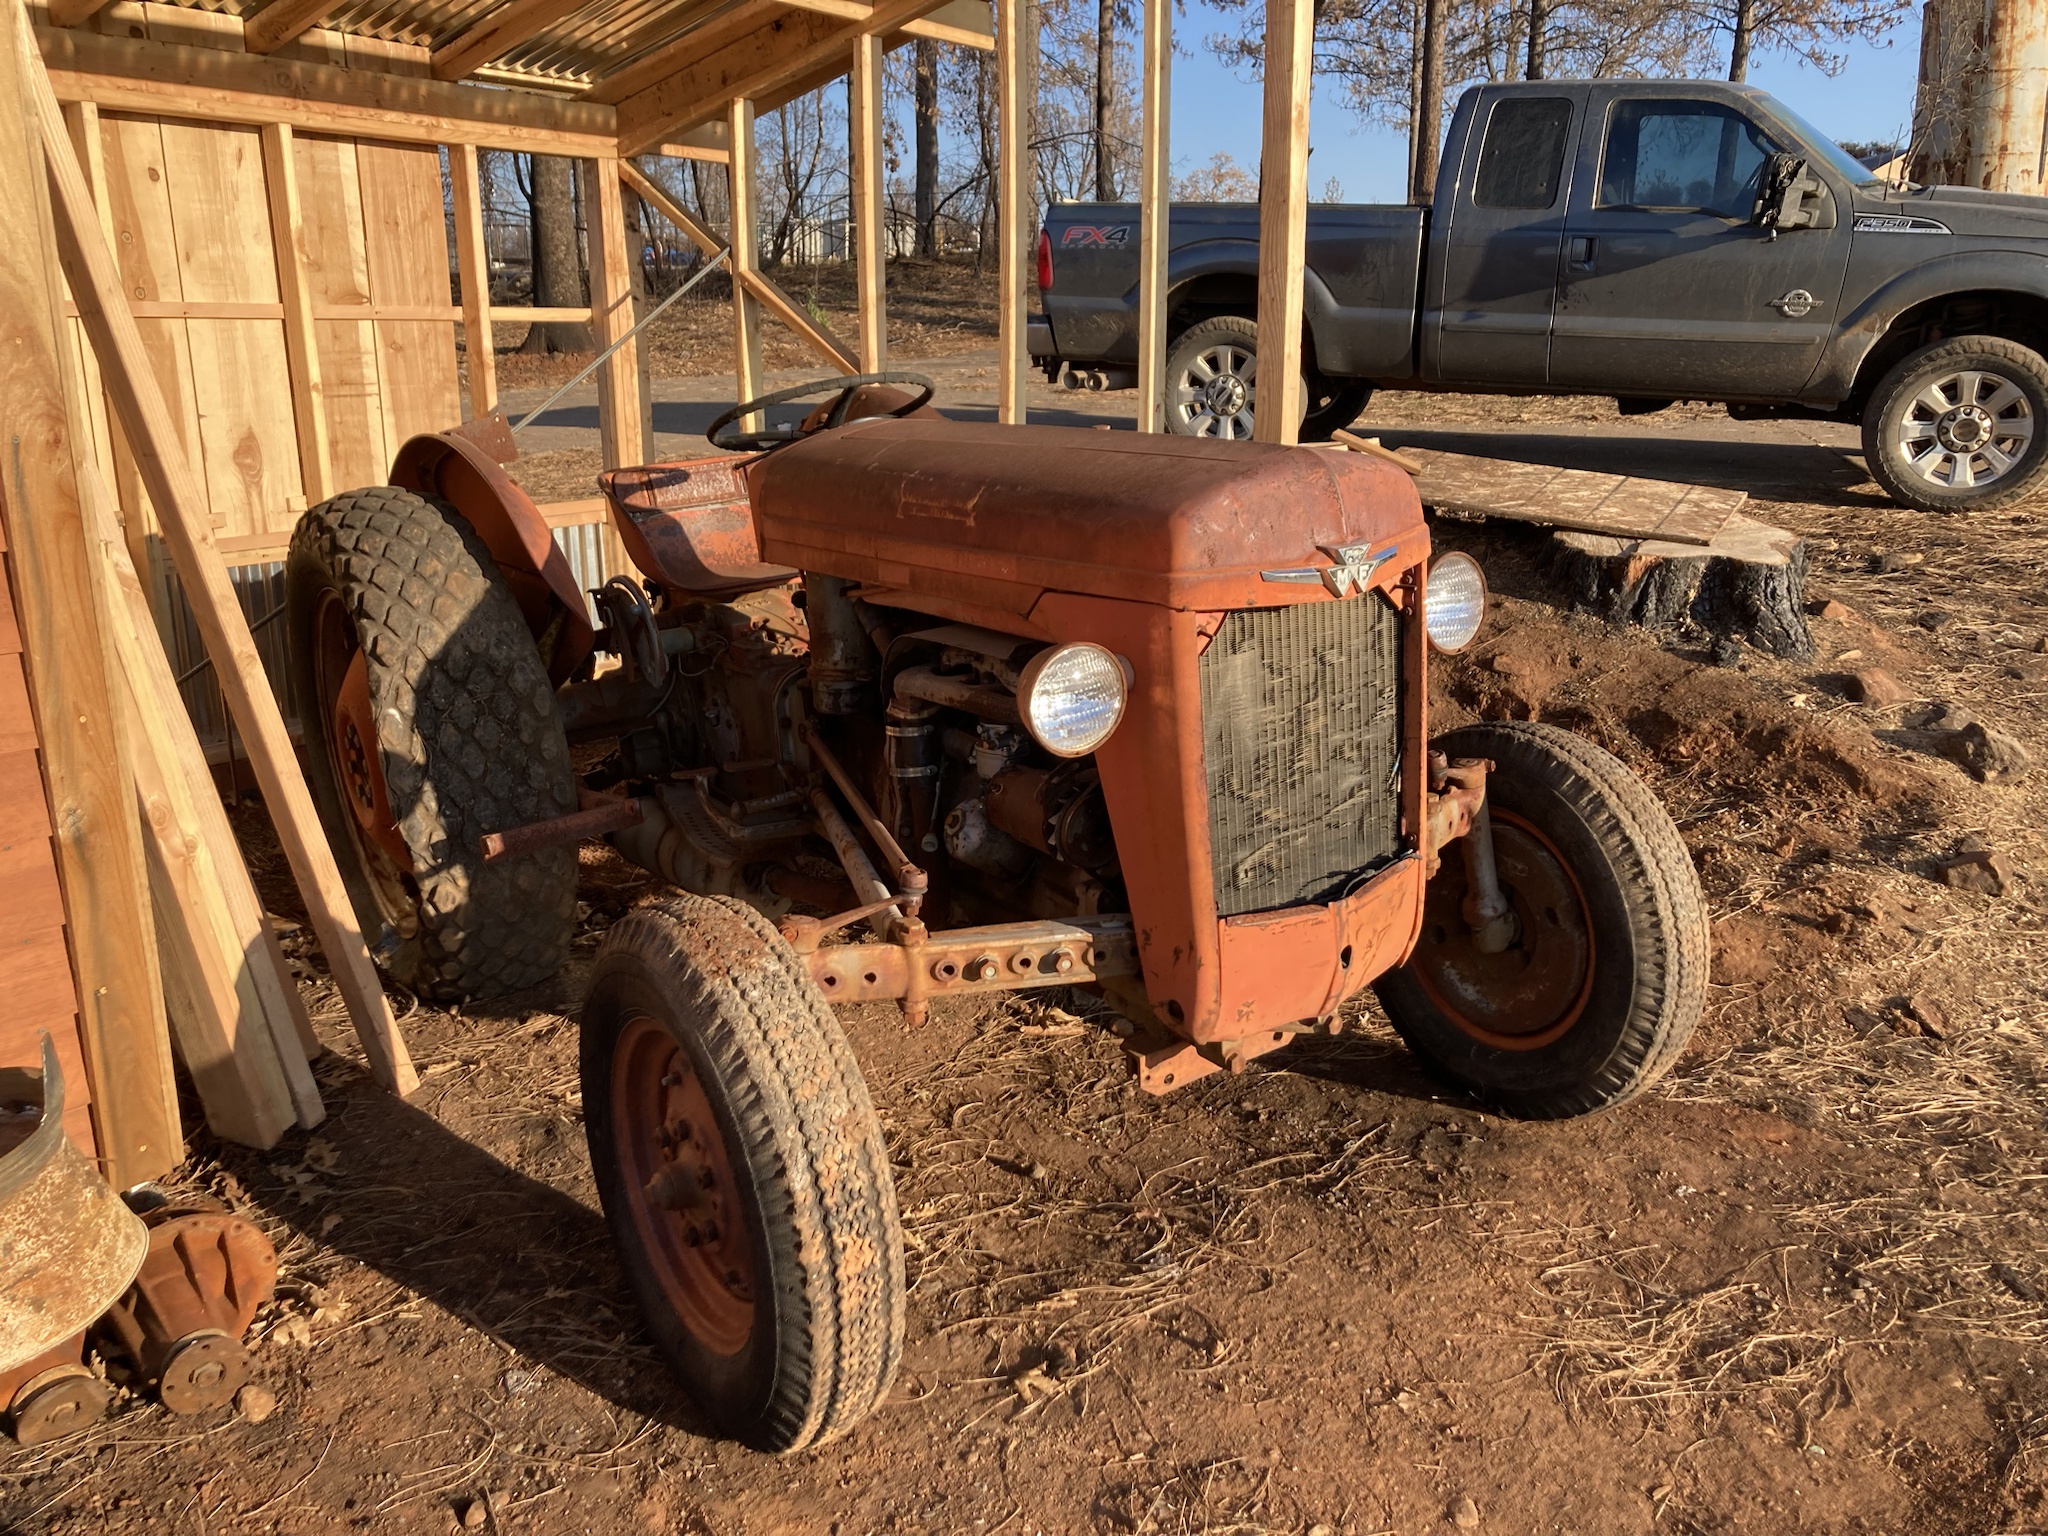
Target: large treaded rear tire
column 823, row 1246
column 468, row 736
column 1646, row 968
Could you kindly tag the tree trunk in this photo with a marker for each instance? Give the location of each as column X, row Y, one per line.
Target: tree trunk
column 1415, row 31
column 1745, row 35
column 1429, row 113
column 925, row 207
column 557, row 264
column 1748, row 585
column 1539, row 24
column 1105, row 82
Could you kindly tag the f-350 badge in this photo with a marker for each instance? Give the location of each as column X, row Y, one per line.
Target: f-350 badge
column 1351, row 571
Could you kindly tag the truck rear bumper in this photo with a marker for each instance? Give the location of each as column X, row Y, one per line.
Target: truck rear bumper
column 1038, row 337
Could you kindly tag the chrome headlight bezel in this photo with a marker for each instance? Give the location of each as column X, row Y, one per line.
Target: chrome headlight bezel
column 1454, row 620
column 1070, row 666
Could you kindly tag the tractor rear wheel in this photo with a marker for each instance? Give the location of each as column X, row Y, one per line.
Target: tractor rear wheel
column 435, row 724
column 1607, row 973
column 743, row 1172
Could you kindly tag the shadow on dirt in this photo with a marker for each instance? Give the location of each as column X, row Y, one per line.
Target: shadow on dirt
column 527, row 1264
column 1773, row 471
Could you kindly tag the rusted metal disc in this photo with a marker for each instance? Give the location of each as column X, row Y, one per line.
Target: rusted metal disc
column 68, row 1246
column 57, row 1403
column 686, row 1202
column 204, row 1372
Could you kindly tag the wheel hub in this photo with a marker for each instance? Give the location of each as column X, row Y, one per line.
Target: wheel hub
column 1226, row 395
column 1964, row 429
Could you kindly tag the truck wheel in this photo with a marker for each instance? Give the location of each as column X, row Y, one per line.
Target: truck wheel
column 1608, row 973
column 743, row 1172
column 1212, row 379
column 1333, row 404
column 1960, row 426
column 436, row 724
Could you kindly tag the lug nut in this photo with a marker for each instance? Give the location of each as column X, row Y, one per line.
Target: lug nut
column 983, row 969
column 1060, row 962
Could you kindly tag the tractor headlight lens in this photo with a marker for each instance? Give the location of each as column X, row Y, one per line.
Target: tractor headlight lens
column 1071, row 697
column 1456, row 604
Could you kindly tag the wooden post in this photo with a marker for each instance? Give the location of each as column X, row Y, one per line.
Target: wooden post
column 745, row 236
column 1283, row 219
column 473, row 262
column 295, row 287
column 187, row 528
column 870, row 234
column 1013, row 207
column 1155, row 196
column 611, row 316
column 85, row 765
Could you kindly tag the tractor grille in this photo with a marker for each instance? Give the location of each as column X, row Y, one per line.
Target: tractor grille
column 1301, row 739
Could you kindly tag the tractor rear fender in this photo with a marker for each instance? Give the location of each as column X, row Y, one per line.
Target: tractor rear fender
column 451, row 467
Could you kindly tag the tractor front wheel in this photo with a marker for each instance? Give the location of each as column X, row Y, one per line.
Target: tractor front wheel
column 742, row 1170
column 1607, row 973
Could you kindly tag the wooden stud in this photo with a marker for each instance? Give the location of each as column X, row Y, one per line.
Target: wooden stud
column 82, row 118
column 473, row 260
column 870, row 232
column 693, row 228
column 1283, row 218
column 301, row 344
column 611, row 316
column 133, row 75
column 224, row 990
column 496, row 33
column 1013, row 216
column 85, row 766
column 71, row 13
column 964, row 23
column 746, row 310
column 652, row 66
column 282, row 20
column 1155, row 198
column 186, row 528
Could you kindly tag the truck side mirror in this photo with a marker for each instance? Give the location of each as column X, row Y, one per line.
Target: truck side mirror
column 1791, row 196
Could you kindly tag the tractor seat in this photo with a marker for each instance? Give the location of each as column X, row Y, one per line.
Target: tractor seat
column 690, row 526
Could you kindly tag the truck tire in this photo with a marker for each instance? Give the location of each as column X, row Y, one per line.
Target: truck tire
column 1960, row 425
column 1333, row 404
column 1212, row 379
column 1608, row 972
column 433, row 723
column 743, row 1172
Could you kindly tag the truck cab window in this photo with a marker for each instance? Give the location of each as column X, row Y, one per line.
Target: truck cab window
column 1521, row 161
column 1682, row 155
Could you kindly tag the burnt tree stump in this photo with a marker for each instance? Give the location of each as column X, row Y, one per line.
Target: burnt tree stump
column 1750, row 583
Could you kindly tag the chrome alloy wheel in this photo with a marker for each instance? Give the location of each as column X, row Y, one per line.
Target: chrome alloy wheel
column 1213, row 395
column 1966, row 429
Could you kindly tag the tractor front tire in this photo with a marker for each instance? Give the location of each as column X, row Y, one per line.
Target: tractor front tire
column 1607, row 974
column 743, row 1172
column 430, row 723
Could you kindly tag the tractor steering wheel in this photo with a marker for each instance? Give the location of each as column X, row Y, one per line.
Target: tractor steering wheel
column 769, row 437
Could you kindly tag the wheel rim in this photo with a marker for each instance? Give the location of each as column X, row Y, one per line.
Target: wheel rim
column 341, row 681
column 1965, row 430
column 679, row 1185
column 1215, row 393
column 1532, row 993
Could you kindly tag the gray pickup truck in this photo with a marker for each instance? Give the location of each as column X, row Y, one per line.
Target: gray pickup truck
column 1652, row 241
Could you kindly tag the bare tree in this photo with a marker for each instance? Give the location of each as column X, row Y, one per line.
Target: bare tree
column 557, row 261
column 925, row 109
column 1812, row 30
column 1222, row 180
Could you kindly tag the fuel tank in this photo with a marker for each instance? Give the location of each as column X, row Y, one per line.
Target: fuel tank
column 972, row 515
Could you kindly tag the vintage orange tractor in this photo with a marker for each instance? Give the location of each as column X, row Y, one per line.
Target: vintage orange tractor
column 909, row 709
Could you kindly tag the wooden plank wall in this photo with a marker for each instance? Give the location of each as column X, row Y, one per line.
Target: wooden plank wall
column 35, row 961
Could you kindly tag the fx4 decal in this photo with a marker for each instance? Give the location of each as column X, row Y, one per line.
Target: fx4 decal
column 1096, row 234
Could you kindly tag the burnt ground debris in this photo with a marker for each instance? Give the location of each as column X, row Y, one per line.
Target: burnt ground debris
column 1798, row 1287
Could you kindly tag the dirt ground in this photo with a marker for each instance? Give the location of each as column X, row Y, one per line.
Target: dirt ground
column 1798, row 1288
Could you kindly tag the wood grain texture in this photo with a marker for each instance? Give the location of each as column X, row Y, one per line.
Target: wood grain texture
column 17, row 718
column 282, row 20
column 91, row 792
column 1155, row 197
column 1622, row 506
column 742, row 201
column 338, row 273
column 405, row 246
column 174, row 488
column 295, row 289
column 611, row 316
column 870, row 192
column 1013, row 217
column 473, row 261
column 1283, row 219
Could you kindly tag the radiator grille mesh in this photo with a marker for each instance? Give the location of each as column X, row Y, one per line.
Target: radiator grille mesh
column 1301, row 741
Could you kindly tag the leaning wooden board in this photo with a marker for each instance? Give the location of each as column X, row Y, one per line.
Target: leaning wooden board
column 1622, row 506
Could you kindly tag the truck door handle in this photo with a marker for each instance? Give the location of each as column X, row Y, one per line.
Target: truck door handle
column 1580, row 252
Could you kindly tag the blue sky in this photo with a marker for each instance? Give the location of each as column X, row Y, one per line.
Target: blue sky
column 1213, row 109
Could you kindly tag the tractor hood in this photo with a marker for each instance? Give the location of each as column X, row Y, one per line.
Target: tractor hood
column 977, row 516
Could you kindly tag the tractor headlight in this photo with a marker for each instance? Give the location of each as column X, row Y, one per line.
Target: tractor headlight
column 1071, row 697
column 1456, row 603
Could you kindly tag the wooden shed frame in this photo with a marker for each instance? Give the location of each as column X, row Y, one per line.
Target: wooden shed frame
column 602, row 81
